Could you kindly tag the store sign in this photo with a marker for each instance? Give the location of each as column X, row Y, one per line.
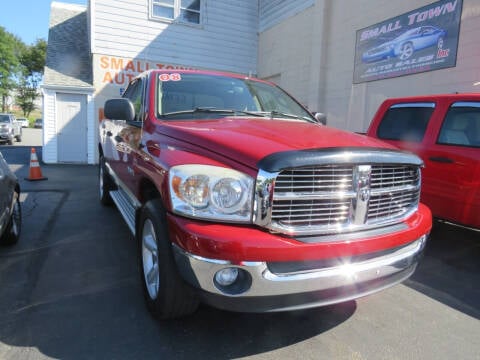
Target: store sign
column 112, row 75
column 421, row 40
column 120, row 71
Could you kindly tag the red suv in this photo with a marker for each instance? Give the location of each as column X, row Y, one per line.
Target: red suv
column 444, row 130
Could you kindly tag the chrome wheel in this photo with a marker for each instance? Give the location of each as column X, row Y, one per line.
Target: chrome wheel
column 150, row 259
column 166, row 294
column 100, row 180
column 16, row 219
column 406, row 51
column 440, row 43
column 12, row 233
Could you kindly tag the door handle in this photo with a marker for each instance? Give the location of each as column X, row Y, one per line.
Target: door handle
column 441, row 159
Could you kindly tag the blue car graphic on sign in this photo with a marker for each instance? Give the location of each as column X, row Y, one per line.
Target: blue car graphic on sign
column 406, row 44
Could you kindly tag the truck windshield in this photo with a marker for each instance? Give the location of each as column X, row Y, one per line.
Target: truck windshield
column 4, row 118
column 194, row 96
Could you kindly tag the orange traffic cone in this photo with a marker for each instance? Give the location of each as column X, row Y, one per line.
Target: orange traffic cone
column 35, row 171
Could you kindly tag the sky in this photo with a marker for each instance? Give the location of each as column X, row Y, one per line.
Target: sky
column 28, row 19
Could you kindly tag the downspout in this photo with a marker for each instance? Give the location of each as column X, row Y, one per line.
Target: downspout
column 318, row 56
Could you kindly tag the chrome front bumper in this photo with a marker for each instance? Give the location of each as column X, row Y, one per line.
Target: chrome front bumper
column 6, row 136
column 328, row 285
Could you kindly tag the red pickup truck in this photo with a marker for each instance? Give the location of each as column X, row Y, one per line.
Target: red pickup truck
column 239, row 198
column 444, row 130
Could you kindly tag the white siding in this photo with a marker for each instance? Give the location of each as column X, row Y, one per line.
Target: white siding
column 226, row 40
column 49, row 150
column 272, row 12
column 92, row 130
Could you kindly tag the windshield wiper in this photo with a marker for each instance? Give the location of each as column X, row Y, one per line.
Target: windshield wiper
column 271, row 114
column 276, row 113
column 199, row 109
column 212, row 110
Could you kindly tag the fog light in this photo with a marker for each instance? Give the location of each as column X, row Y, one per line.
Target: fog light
column 226, row 277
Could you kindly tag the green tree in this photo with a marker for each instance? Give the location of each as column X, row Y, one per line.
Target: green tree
column 32, row 61
column 10, row 49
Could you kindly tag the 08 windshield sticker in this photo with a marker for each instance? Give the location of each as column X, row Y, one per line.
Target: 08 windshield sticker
column 170, row 77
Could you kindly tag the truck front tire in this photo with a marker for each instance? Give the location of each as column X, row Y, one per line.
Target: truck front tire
column 166, row 294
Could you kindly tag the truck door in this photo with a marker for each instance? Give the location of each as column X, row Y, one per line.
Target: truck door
column 125, row 137
column 453, row 165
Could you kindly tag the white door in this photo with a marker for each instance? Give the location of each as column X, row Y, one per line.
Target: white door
column 72, row 128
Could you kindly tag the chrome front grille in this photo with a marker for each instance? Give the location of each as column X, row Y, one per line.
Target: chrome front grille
column 385, row 176
column 323, row 212
column 311, row 180
column 312, row 196
column 340, row 198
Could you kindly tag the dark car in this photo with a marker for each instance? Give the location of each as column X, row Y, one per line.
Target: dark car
column 38, row 124
column 10, row 211
column 406, row 44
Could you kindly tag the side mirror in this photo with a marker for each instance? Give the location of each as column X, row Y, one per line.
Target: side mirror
column 119, row 109
column 321, row 118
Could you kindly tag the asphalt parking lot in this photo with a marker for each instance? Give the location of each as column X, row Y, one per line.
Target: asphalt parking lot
column 70, row 289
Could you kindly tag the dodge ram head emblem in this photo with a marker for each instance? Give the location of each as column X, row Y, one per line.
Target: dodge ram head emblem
column 365, row 194
column 361, row 184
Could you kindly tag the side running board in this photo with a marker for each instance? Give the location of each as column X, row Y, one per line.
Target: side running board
column 125, row 207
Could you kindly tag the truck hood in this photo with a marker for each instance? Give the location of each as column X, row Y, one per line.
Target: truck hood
column 249, row 140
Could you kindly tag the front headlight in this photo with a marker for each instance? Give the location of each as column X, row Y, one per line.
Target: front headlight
column 211, row 192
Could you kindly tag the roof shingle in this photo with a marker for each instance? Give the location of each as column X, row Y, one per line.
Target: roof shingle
column 68, row 61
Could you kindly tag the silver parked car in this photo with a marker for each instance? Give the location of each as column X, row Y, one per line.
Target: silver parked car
column 10, row 210
column 10, row 129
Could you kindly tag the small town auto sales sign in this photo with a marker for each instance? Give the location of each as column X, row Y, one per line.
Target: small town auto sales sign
column 421, row 40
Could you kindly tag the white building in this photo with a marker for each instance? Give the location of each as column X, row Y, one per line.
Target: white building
column 69, row 129
column 306, row 46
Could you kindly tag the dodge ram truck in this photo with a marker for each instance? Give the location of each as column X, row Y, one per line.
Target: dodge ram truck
column 239, row 198
column 444, row 130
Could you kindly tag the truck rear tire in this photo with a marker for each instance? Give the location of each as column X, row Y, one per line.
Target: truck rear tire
column 166, row 294
column 12, row 232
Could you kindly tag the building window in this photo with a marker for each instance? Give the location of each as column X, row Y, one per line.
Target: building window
column 186, row 11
